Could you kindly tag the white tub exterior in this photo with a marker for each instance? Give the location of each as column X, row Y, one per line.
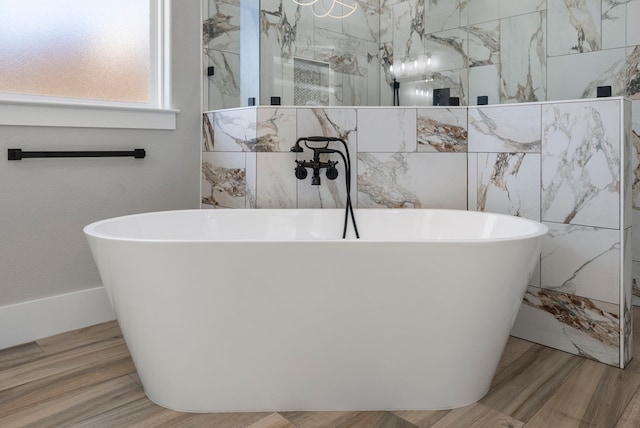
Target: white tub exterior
column 265, row 310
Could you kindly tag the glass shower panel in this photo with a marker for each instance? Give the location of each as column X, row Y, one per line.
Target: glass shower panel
column 231, row 45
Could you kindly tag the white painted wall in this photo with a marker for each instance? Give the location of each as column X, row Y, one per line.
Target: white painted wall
column 44, row 203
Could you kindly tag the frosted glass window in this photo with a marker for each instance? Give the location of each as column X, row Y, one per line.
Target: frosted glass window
column 87, row 49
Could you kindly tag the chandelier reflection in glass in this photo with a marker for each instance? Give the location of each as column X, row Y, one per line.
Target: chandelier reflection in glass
column 332, row 8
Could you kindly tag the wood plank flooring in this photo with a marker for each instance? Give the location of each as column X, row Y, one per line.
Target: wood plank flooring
column 85, row 378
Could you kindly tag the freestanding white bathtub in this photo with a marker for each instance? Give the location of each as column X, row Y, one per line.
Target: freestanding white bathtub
column 264, row 310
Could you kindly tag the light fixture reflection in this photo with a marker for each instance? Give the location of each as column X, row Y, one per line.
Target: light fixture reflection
column 321, row 10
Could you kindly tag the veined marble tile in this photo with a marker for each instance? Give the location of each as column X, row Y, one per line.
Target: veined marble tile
column 509, row 183
column 514, row 128
column 523, row 58
column 633, row 73
column 387, row 130
column 634, row 149
column 464, row 13
column 442, row 129
column 635, row 238
column 633, row 29
column 582, row 260
column 629, row 158
column 581, row 163
column 578, row 76
column 374, row 76
column 276, row 181
column 574, row 26
column 207, row 132
column 448, row 50
column 387, row 21
column 485, row 81
column 223, row 89
column 364, row 23
column 251, row 175
column 221, row 30
column 276, row 129
column 288, row 27
column 412, row 180
column 408, row 29
column 472, row 181
column 627, row 295
column 613, row 23
column 223, row 180
column 577, row 325
column 235, row 130
column 510, row 8
column 328, row 122
column 346, row 54
column 420, row 92
column 484, row 44
column 442, row 15
column 483, row 10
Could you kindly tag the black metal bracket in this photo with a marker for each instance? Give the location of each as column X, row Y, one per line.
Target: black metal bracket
column 18, row 154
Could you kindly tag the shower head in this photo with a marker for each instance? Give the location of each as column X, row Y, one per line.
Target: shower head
column 296, row 147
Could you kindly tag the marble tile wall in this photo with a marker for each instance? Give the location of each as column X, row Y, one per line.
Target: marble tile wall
column 561, row 163
column 573, row 183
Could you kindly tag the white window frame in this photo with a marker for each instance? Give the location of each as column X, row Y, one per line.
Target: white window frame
column 32, row 110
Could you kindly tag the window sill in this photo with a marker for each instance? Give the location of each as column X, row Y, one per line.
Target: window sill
column 27, row 113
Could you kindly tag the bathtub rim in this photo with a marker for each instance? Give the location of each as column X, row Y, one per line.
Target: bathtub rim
column 90, row 230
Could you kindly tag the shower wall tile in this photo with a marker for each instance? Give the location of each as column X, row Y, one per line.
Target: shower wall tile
column 276, row 183
column 448, row 49
column 509, row 8
column 484, row 81
column 223, row 180
column 574, row 324
column 613, row 23
column 347, row 55
column 408, row 29
column 387, row 130
column 483, row 10
column 276, row 129
column 578, row 76
column 484, row 44
column 235, row 130
column 574, row 27
column 505, row 129
column 442, row 129
column 582, row 261
column 364, row 23
column 455, row 80
column 442, row 15
column 223, row 88
column 633, row 73
column 509, row 183
column 412, row 180
column 633, row 29
column 387, row 20
column 581, row 163
column 222, row 28
column 523, row 58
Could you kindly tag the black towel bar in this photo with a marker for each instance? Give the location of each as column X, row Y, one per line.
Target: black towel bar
column 17, row 154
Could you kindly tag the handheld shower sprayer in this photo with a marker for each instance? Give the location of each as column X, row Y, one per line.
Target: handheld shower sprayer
column 331, row 171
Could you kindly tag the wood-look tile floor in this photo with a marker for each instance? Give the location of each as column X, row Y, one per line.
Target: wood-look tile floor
column 86, row 378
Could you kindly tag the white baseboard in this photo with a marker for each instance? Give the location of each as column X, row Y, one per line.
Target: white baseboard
column 28, row 321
